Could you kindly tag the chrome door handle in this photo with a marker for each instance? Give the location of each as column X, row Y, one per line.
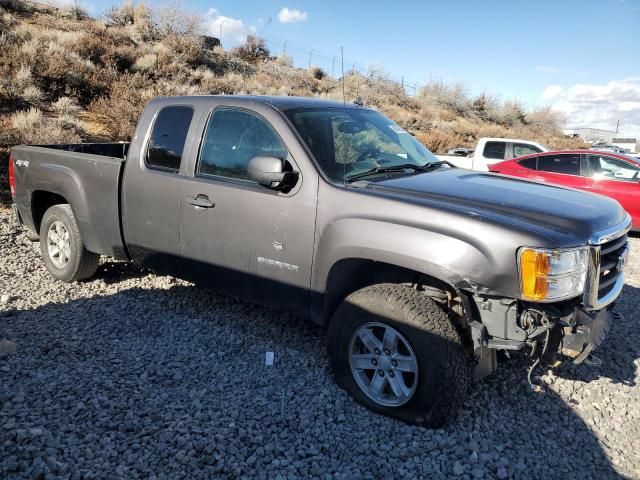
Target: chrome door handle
column 200, row 202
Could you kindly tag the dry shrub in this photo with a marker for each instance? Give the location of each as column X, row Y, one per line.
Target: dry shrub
column 229, row 84
column 285, row 60
column 317, row 73
column 33, row 127
column 451, row 96
column 176, row 19
column 66, row 106
column 253, row 50
column 546, row 118
column 119, row 110
column 438, row 141
column 146, row 63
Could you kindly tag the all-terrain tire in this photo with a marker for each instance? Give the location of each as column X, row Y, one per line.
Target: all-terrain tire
column 82, row 263
column 444, row 369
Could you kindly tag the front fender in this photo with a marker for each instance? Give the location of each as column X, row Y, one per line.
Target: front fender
column 456, row 261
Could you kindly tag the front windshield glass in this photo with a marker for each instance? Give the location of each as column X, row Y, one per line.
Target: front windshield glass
column 348, row 142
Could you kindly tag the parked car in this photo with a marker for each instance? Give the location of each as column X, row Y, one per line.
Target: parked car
column 611, row 174
column 419, row 270
column 493, row 150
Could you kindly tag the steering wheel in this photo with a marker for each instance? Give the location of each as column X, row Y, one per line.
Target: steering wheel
column 369, row 152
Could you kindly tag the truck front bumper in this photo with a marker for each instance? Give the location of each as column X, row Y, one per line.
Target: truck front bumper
column 589, row 332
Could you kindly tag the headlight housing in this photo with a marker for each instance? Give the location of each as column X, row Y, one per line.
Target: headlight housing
column 550, row 275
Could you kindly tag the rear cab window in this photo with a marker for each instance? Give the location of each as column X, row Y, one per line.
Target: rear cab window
column 495, row 150
column 168, row 138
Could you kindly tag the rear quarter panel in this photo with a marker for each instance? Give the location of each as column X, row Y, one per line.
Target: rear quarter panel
column 89, row 183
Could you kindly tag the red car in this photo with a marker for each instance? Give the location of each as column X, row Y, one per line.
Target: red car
column 611, row 174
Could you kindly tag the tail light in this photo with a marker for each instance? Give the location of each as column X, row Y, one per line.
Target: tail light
column 12, row 177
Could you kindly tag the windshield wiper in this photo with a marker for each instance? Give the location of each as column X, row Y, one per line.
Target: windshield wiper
column 395, row 168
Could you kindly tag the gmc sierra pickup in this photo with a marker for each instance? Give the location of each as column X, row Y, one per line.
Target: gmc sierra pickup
column 420, row 271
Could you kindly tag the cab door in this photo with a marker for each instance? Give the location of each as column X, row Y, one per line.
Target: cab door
column 152, row 184
column 237, row 236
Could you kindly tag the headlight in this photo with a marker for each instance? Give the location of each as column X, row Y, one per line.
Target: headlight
column 552, row 275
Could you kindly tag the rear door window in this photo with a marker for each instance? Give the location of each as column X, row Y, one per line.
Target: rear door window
column 168, row 137
column 495, row 150
column 567, row 164
column 522, row 149
column 530, row 163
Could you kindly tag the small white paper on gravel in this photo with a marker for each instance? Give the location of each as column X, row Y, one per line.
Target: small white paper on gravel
column 268, row 361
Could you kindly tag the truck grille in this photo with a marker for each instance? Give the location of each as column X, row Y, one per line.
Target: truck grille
column 612, row 259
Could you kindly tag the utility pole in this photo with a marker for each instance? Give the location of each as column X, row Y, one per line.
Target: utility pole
column 310, row 53
column 618, row 126
column 284, row 49
column 333, row 64
column 221, row 23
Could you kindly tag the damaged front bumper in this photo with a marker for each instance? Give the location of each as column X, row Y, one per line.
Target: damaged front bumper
column 589, row 332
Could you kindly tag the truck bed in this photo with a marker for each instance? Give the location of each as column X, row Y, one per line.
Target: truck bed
column 87, row 176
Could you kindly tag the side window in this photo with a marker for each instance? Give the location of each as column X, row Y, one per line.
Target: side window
column 494, row 150
column 568, row 164
column 231, row 139
column 521, row 149
column 603, row 167
column 168, row 137
column 529, row 163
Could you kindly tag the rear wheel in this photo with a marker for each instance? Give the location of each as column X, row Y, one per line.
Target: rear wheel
column 396, row 352
column 63, row 252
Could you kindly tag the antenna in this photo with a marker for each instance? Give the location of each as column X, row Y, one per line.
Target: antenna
column 344, row 113
column 344, row 98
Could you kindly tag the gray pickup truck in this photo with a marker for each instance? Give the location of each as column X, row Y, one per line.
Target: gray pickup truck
column 421, row 271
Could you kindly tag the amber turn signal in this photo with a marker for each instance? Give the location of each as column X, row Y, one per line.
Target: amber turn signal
column 534, row 271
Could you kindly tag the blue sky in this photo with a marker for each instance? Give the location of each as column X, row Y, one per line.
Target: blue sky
column 539, row 51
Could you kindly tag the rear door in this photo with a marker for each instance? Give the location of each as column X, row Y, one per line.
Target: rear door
column 615, row 178
column 560, row 168
column 240, row 237
column 152, row 185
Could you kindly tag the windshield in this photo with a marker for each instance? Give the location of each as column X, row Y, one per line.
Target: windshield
column 348, row 142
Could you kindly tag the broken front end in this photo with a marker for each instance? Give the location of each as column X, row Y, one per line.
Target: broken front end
column 565, row 310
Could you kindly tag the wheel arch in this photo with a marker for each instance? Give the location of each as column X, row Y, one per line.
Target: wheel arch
column 348, row 275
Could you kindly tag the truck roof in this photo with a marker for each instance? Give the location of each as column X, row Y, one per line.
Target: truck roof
column 280, row 103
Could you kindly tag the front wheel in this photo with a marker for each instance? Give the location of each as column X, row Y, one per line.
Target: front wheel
column 63, row 252
column 395, row 351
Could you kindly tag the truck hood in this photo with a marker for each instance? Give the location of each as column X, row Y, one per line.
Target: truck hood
column 527, row 204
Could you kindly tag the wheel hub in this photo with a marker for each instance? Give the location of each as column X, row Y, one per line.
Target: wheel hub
column 383, row 364
column 58, row 244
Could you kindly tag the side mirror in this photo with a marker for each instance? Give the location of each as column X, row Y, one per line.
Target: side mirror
column 271, row 172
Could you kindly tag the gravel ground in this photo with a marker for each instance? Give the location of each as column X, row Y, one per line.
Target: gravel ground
column 135, row 375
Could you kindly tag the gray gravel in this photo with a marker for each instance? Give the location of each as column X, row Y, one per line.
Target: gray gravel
column 133, row 375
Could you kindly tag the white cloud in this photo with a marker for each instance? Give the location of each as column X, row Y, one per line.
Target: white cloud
column 234, row 31
column 547, row 69
column 291, row 16
column 599, row 106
